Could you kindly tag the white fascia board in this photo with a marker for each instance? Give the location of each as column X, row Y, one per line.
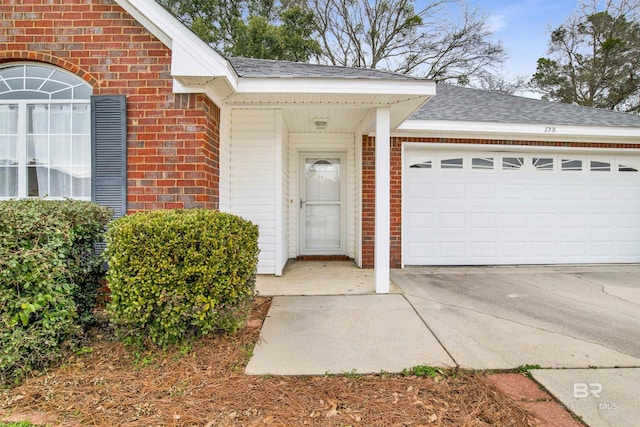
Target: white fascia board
column 191, row 56
column 212, row 93
column 444, row 146
column 537, row 132
column 414, row 88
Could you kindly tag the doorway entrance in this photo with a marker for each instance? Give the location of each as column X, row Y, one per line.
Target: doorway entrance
column 322, row 210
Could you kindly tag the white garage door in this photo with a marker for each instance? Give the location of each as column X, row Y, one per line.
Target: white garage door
column 490, row 208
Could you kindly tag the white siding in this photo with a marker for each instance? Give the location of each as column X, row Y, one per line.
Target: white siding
column 284, row 183
column 225, row 160
column 308, row 142
column 253, row 189
column 357, row 256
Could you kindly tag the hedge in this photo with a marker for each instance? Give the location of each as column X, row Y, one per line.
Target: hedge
column 176, row 275
column 49, row 273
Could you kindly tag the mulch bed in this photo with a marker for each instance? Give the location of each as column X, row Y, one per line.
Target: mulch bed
column 205, row 386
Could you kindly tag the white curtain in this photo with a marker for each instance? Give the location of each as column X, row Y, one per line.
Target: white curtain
column 60, row 150
column 8, row 151
column 81, row 151
column 40, row 129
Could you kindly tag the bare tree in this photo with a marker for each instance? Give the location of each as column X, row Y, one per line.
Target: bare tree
column 445, row 40
column 500, row 83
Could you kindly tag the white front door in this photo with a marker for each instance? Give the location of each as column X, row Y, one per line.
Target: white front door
column 321, row 204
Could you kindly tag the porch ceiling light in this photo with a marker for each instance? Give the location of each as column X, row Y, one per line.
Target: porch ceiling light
column 320, row 122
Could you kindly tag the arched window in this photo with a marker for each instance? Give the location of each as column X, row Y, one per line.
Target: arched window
column 45, row 133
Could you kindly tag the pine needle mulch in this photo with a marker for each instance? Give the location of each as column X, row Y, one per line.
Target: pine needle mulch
column 205, row 386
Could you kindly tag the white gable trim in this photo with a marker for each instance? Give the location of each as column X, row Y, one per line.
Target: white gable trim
column 191, row 57
column 536, row 132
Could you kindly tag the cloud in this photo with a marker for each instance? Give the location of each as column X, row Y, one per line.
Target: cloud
column 497, row 22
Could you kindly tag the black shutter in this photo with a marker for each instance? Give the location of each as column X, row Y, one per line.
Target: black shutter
column 109, row 152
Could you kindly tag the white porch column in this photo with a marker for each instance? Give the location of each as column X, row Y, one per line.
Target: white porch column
column 383, row 209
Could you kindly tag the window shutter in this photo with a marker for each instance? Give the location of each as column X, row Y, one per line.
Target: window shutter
column 109, row 152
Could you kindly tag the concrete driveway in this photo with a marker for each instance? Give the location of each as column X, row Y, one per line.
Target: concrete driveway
column 555, row 317
column 564, row 319
column 504, row 317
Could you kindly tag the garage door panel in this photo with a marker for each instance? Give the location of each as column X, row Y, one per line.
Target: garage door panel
column 420, row 191
column 452, row 220
column 601, row 249
column 455, row 191
column 527, row 214
column 452, row 250
column 512, row 220
column 541, row 192
column 513, row 192
column 601, row 193
column 424, row 221
column 480, row 192
column 482, row 220
column 626, row 193
column 572, row 249
column 629, row 249
column 542, row 249
column 487, row 249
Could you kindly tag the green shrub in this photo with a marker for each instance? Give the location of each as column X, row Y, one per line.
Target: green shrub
column 48, row 278
column 180, row 274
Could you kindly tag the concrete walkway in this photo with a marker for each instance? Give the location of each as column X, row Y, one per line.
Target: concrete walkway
column 348, row 333
column 476, row 318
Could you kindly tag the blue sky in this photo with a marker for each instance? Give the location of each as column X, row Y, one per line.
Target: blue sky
column 523, row 28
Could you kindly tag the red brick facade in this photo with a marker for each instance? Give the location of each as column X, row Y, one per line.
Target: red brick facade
column 368, row 185
column 173, row 139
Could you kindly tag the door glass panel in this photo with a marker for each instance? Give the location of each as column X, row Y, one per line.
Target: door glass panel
column 322, row 227
column 322, row 179
column 322, row 205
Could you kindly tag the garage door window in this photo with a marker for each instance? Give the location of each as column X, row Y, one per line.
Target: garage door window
column 624, row 168
column 542, row 163
column 485, row 163
column 600, row 166
column 512, row 163
column 522, row 163
column 456, row 163
column 571, row 165
column 422, row 165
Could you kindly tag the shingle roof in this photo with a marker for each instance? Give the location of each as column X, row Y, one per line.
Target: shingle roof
column 463, row 104
column 452, row 103
column 251, row 67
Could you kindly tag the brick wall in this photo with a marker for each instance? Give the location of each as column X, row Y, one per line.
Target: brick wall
column 173, row 139
column 368, row 185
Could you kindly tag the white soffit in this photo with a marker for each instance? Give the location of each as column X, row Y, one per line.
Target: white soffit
column 536, row 132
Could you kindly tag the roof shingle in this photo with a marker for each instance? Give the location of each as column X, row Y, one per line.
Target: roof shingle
column 456, row 103
column 252, row 67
